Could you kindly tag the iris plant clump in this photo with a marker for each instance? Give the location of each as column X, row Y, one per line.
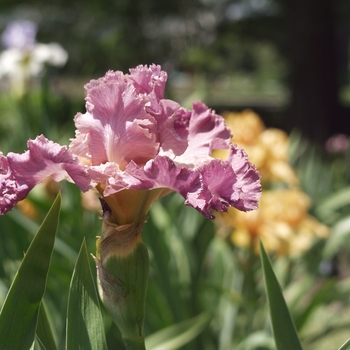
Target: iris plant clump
column 134, row 146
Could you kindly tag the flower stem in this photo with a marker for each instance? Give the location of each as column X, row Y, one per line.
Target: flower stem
column 122, row 266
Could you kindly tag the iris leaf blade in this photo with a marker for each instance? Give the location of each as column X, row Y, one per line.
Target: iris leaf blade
column 19, row 314
column 345, row 346
column 284, row 330
column 84, row 319
column 178, row 335
column 43, row 330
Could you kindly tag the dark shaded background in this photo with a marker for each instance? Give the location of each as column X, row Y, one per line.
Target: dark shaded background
column 212, row 39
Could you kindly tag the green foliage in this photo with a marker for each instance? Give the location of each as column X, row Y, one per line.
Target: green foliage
column 203, row 292
column 20, row 310
column 176, row 336
column 283, row 327
column 84, row 320
column 44, row 334
column 345, row 346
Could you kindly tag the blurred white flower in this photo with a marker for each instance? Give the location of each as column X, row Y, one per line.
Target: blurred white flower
column 24, row 58
column 52, row 53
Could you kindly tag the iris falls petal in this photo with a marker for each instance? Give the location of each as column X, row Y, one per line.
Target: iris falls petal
column 132, row 139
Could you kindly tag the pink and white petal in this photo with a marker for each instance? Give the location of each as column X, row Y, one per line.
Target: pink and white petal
column 248, row 179
column 113, row 100
column 107, row 100
column 46, row 158
column 217, row 188
column 161, row 172
column 79, row 147
column 222, row 187
column 116, row 118
column 137, row 144
column 172, row 122
column 206, row 131
column 109, row 177
column 193, row 185
column 10, row 191
column 91, row 138
column 206, row 126
column 112, row 83
column 148, row 80
column 213, row 186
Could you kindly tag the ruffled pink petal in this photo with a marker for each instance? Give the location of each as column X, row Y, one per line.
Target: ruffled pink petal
column 109, row 176
column 149, row 80
column 161, row 172
column 213, row 186
column 217, row 179
column 116, row 127
column 206, row 131
column 172, row 123
column 248, row 183
column 190, row 136
column 132, row 138
column 80, row 145
column 234, row 182
column 138, row 144
column 10, row 191
column 46, row 158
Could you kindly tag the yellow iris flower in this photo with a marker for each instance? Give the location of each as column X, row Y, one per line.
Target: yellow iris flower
column 282, row 220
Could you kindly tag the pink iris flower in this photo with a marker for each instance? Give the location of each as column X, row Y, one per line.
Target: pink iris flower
column 135, row 147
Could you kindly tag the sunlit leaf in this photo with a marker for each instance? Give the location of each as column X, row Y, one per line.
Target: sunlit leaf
column 319, row 298
column 334, row 202
column 38, row 345
column 176, row 336
column 20, row 311
column 339, row 237
column 345, row 346
column 285, row 334
column 84, row 320
column 257, row 340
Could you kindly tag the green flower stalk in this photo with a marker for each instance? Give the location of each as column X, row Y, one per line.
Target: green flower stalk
column 122, row 268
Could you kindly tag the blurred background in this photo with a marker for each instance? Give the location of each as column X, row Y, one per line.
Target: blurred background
column 279, row 71
column 289, row 60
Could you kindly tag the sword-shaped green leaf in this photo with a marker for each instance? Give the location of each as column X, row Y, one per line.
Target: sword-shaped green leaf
column 19, row 314
column 178, row 335
column 84, row 320
column 44, row 333
column 285, row 334
column 345, row 346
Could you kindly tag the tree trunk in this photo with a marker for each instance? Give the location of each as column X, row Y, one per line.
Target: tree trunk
column 314, row 108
